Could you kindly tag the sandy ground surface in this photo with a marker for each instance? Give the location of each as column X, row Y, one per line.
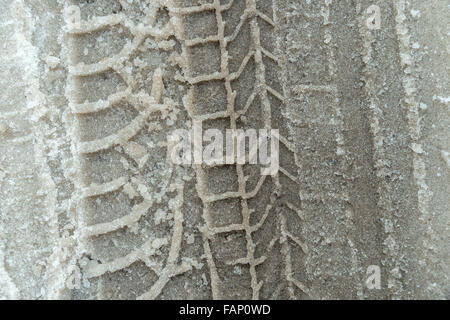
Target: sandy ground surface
column 92, row 207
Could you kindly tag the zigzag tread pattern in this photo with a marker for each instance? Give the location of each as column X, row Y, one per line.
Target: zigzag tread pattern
column 236, row 217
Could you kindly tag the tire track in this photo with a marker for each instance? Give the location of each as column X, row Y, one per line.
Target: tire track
column 160, row 250
column 248, row 18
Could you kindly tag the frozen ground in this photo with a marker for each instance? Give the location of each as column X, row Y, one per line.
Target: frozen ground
column 93, row 208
